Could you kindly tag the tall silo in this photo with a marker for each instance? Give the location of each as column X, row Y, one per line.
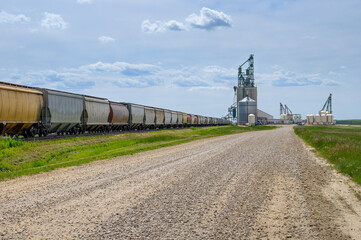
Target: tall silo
column 245, row 107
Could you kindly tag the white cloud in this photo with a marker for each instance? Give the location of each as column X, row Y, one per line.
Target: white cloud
column 149, row 27
column 106, row 39
column 84, row 1
column 209, row 19
column 53, row 21
column 175, row 26
column 159, row 26
column 12, row 18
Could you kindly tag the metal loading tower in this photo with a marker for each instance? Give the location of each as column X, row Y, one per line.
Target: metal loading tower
column 246, row 87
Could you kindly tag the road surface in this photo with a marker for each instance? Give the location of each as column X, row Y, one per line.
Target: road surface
column 255, row 185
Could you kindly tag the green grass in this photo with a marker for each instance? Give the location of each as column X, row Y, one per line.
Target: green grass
column 339, row 145
column 19, row 158
column 349, row 122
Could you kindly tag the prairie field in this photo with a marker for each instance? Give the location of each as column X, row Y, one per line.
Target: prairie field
column 340, row 145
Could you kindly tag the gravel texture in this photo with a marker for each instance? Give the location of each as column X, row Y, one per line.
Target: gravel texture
column 255, row 185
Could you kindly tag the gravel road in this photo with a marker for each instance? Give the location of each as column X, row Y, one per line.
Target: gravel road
column 255, row 185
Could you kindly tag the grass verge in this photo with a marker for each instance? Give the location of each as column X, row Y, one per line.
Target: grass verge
column 19, row 158
column 339, row 145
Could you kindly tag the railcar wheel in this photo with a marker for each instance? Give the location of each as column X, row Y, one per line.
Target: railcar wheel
column 31, row 132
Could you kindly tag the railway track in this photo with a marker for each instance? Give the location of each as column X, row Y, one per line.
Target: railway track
column 87, row 134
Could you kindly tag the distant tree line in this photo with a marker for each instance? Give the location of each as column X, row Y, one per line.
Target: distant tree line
column 350, row 122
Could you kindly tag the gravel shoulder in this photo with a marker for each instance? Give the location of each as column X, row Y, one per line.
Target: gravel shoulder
column 254, row 185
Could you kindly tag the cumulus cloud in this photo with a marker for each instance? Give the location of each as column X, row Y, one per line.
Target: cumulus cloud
column 159, row 26
column 209, row 19
column 175, row 26
column 53, row 21
column 12, row 18
column 83, row 1
column 106, row 39
column 149, row 27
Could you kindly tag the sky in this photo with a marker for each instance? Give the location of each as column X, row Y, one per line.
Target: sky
column 184, row 55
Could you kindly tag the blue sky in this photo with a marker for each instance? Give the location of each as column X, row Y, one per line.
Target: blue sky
column 184, row 55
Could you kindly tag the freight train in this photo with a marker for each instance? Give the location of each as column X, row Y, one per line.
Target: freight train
column 30, row 111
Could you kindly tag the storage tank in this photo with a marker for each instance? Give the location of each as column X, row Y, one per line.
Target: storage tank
column 317, row 119
column 324, row 119
column 251, row 120
column 310, row 119
column 246, row 106
column 330, row 118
